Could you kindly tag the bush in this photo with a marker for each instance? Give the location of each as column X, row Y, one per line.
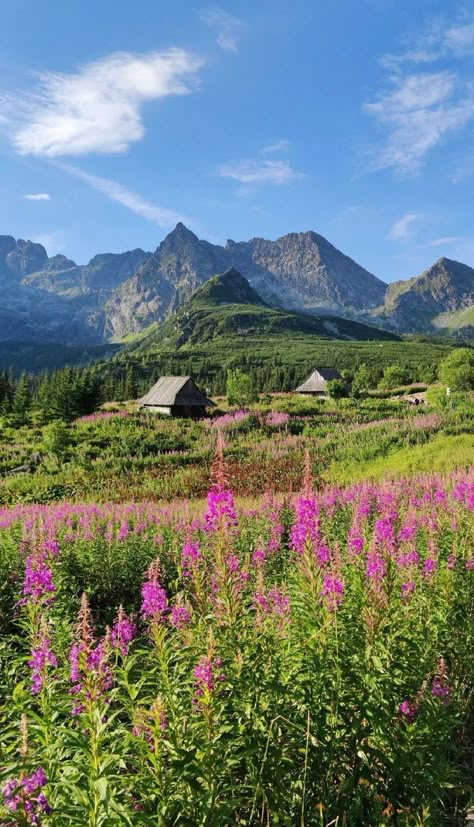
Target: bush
column 457, row 370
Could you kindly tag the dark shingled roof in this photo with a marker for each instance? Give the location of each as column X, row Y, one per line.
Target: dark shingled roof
column 175, row 391
column 317, row 382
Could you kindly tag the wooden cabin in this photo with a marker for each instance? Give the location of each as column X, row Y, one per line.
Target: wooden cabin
column 176, row 396
column 317, row 383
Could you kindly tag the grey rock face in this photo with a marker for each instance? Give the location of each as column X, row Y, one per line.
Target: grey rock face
column 54, row 299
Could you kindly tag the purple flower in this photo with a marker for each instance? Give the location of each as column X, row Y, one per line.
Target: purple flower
column 220, row 510
column 258, row 557
column 441, row 689
column 38, row 583
column 180, row 616
column 41, row 658
column 429, row 566
column 306, row 526
column 190, row 557
column 154, row 599
column 123, row 632
column 408, row 588
column 407, row 711
column 25, row 794
column 332, row 591
column 205, row 675
column 375, row 568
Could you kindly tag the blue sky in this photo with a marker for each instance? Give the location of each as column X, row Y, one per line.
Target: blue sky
column 354, row 118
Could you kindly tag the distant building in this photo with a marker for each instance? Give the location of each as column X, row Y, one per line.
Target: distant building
column 176, row 396
column 317, row 383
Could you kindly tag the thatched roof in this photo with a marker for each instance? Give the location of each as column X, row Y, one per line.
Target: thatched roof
column 175, row 391
column 317, row 382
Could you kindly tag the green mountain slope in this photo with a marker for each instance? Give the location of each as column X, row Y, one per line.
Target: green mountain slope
column 227, row 309
column 439, row 300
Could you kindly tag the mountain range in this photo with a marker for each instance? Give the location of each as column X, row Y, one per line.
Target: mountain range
column 226, row 309
column 116, row 296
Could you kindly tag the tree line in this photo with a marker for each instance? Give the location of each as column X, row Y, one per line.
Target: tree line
column 68, row 393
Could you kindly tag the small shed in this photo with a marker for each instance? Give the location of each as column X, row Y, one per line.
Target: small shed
column 176, row 396
column 317, row 383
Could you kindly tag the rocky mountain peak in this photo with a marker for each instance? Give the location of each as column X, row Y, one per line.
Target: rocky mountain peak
column 229, row 287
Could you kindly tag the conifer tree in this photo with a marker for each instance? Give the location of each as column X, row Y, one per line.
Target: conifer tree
column 22, row 399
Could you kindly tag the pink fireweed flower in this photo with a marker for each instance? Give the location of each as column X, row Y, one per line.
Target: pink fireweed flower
column 332, row 591
column 305, row 529
column 154, row 599
column 277, row 418
column 274, row 603
column 41, row 658
column 470, row 564
column 410, row 558
column 220, row 514
column 220, row 510
column 38, row 584
column 205, row 675
column 429, row 567
column 190, row 557
column 180, row 616
column 89, row 667
column 355, row 541
column 451, row 561
column 407, row 589
column 280, row 603
column 123, row 632
column 440, row 689
column 440, row 686
column 25, row 796
column 407, row 711
column 258, row 557
column 375, row 568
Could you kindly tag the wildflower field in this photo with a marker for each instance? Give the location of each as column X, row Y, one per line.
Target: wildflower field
column 296, row 659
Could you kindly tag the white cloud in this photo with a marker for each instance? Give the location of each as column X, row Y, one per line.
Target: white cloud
column 98, row 108
column 249, row 171
column 282, row 145
column 127, row 198
column 417, row 111
column 440, row 39
column 441, row 242
column 37, row 196
column 402, row 228
column 229, row 28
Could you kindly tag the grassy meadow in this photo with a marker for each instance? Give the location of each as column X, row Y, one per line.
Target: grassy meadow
column 261, row 618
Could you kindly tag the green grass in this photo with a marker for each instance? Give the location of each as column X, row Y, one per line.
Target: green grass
column 441, row 455
column 451, row 322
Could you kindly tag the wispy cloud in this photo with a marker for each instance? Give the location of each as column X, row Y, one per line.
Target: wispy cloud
column 98, row 108
column 127, row 198
column 440, row 39
column 229, row 28
column 416, row 112
column 37, row 196
column 282, row 145
column 442, row 242
column 250, row 171
column 403, row 227
column 419, row 105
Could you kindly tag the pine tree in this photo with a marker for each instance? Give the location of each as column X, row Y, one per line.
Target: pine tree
column 22, row 399
column 130, row 383
column 6, row 393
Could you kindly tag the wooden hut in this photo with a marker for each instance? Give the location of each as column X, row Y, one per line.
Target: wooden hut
column 317, row 383
column 176, row 396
